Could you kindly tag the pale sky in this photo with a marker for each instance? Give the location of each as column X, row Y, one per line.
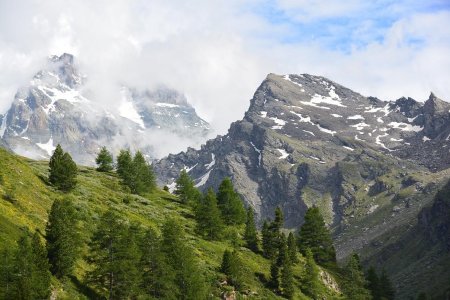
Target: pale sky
column 218, row 52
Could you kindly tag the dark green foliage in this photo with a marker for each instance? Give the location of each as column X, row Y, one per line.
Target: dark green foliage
column 230, row 203
column 144, row 176
column 274, row 281
column 314, row 235
column 232, row 267
column 185, row 188
column 104, row 160
column 422, row 296
column 188, row 276
column 207, row 214
column 310, row 281
column 41, row 269
column 292, row 248
column 373, row 283
column 116, row 255
column 386, row 288
column 251, row 234
column 63, row 239
column 271, row 235
column 355, row 285
column 135, row 172
column 63, row 170
column 25, row 274
column 158, row 276
column 287, row 278
column 24, row 269
column 7, row 274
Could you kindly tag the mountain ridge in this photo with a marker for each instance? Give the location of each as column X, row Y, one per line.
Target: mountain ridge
column 371, row 166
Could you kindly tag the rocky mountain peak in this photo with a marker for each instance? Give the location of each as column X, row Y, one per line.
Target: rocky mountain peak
column 53, row 108
column 434, row 105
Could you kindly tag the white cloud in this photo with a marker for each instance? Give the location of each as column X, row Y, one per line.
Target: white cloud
column 218, row 52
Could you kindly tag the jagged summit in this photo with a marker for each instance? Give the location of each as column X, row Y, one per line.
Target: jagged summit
column 369, row 165
column 54, row 108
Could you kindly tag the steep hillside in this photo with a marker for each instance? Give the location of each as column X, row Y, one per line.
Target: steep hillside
column 370, row 165
column 26, row 199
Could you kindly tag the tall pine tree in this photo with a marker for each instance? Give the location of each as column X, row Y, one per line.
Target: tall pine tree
column 188, row 276
column 185, row 188
column 251, row 234
column 386, row 288
column 104, row 160
column 230, row 204
column 314, row 235
column 355, row 286
column 116, row 256
column 63, row 170
column 292, row 248
column 63, row 238
column 41, row 269
column 207, row 214
column 373, row 283
column 310, row 282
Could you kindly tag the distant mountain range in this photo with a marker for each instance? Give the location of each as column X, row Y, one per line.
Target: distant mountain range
column 55, row 107
column 371, row 166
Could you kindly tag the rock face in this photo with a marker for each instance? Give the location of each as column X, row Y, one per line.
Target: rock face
column 55, row 108
column 369, row 165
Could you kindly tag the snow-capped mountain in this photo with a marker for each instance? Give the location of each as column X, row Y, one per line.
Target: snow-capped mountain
column 55, row 108
column 370, row 165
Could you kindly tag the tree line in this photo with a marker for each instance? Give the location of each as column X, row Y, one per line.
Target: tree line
column 131, row 261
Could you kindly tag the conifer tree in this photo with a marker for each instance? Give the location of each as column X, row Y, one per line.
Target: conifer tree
column 24, row 269
column 63, row 239
column 274, row 275
column 41, row 269
column 143, row 175
column 251, row 234
column 125, row 166
column 116, row 255
column 355, row 285
column 373, row 283
column 310, row 282
column 104, row 160
column 158, row 277
column 292, row 248
column 207, row 214
column 230, row 204
column 232, row 267
column 63, row 170
column 287, row 278
column 387, row 290
column 271, row 235
column 188, row 276
column 314, row 235
column 7, row 274
column 185, row 188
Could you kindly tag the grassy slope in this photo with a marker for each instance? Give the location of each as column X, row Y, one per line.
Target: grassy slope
column 26, row 200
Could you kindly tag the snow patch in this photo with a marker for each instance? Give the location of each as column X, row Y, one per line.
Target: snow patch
column 378, row 141
column 188, row 169
column 259, row 153
column 161, row 104
column 425, row 138
column 372, row 209
column 356, row 117
column 288, row 78
column 3, row 126
column 127, row 109
column 348, row 148
column 336, row 115
column 212, row 163
column 203, row 179
column 48, row 147
column 325, row 130
column 405, row 126
column 310, row 132
column 280, row 123
column 360, row 126
column 284, row 154
column 318, row 99
column 263, row 114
